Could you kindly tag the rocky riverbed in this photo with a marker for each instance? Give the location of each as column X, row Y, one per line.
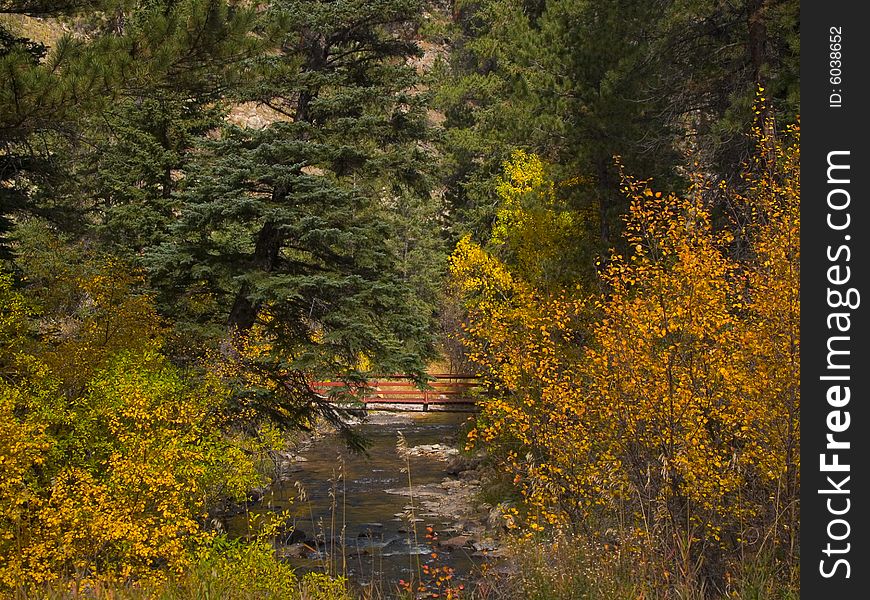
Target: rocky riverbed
column 412, row 495
column 468, row 525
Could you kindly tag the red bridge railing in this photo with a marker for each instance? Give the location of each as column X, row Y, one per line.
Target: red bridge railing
column 397, row 392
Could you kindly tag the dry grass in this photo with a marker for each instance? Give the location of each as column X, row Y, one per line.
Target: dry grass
column 570, row 568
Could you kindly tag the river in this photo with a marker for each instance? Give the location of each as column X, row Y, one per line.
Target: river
column 358, row 515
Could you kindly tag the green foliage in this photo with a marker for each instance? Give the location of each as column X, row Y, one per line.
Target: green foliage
column 135, row 167
column 578, row 82
column 167, row 101
column 182, row 51
column 236, row 570
column 535, row 229
column 298, row 232
column 14, row 326
column 91, row 305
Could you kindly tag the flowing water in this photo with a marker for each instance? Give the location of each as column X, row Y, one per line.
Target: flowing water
column 357, row 515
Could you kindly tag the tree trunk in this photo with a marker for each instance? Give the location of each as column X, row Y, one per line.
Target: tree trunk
column 605, row 193
column 244, row 311
column 757, row 39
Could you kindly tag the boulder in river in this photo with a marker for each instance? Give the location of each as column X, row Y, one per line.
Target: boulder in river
column 456, row 542
column 437, row 451
column 289, row 535
column 299, row 550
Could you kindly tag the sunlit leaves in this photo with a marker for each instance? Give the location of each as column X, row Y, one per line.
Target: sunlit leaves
column 676, row 416
column 110, row 455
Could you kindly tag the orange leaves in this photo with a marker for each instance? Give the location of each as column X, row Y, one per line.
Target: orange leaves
column 677, row 402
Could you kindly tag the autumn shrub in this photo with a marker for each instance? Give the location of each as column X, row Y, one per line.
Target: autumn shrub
column 115, row 488
column 661, row 414
column 111, row 455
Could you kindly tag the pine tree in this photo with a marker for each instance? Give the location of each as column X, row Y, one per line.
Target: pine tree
column 287, row 234
column 569, row 80
column 85, row 124
column 186, row 61
column 41, row 92
column 578, row 82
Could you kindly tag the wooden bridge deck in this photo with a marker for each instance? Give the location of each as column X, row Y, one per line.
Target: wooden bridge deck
column 446, row 393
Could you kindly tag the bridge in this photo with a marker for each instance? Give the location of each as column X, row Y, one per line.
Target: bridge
column 445, row 393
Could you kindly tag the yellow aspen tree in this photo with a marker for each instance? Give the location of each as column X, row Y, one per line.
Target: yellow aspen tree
column 521, row 331
column 667, row 408
column 693, row 377
column 771, row 205
column 663, row 402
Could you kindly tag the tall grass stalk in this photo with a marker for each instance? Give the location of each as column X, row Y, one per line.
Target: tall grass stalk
column 413, row 557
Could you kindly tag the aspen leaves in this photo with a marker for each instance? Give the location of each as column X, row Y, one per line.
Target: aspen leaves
column 671, row 399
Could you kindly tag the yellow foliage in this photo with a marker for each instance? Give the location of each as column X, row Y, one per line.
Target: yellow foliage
column 532, row 228
column 676, row 415
column 113, row 317
column 106, row 471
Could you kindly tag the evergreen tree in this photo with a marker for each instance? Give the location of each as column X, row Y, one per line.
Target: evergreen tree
column 287, row 234
column 578, row 82
column 569, row 80
column 135, row 166
column 87, row 125
column 140, row 146
column 42, row 94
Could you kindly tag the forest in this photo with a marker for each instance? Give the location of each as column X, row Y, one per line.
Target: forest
column 206, row 206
